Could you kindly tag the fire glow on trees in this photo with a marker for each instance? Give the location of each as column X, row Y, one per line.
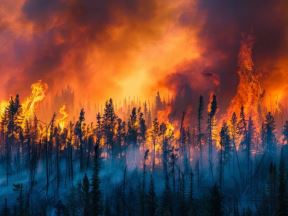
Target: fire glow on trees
column 189, row 93
column 166, row 46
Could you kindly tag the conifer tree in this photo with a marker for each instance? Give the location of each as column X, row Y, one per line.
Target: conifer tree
column 225, row 143
column 142, row 128
column 269, row 131
column 211, row 122
column 172, row 163
column 120, row 137
column 242, row 128
column 108, row 124
column 143, row 187
column 132, row 128
column 154, row 136
column 234, row 138
column 80, row 133
column 98, row 130
column 249, row 144
column 70, row 153
column 95, row 185
column 57, row 148
column 12, row 123
column 199, row 119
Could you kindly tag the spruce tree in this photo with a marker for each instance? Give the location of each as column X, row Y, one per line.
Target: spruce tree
column 80, row 133
column 270, row 137
column 108, row 124
column 95, row 185
column 12, row 122
column 225, row 144
column 142, row 128
column 132, row 128
column 249, row 145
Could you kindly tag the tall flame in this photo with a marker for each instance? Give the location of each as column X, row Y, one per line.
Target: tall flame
column 62, row 121
column 37, row 95
column 250, row 91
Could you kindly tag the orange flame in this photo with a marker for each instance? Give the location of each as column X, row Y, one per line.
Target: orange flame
column 3, row 105
column 250, row 89
column 62, row 121
column 37, row 95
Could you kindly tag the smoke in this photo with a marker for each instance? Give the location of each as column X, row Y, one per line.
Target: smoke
column 96, row 45
column 134, row 48
column 222, row 25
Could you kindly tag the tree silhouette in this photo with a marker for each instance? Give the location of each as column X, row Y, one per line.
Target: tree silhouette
column 96, row 200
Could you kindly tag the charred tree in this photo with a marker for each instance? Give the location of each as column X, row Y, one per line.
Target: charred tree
column 211, row 122
column 199, row 127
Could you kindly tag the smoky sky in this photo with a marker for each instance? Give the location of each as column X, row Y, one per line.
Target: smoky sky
column 93, row 15
column 62, row 28
column 225, row 22
column 65, row 32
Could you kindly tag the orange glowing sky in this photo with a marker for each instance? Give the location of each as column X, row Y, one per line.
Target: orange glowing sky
column 128, row 58
column 134, row 48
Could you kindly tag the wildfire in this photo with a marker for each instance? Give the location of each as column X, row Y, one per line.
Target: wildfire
column 214, row 125
column 37, row 95
column 163, row 115
column 272, row 101
column 250, row 89
column 62, row 121
column 29, row 106
column 3, row 105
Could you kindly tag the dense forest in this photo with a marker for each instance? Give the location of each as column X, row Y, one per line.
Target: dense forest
column 144, row 108
column 142, row 165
